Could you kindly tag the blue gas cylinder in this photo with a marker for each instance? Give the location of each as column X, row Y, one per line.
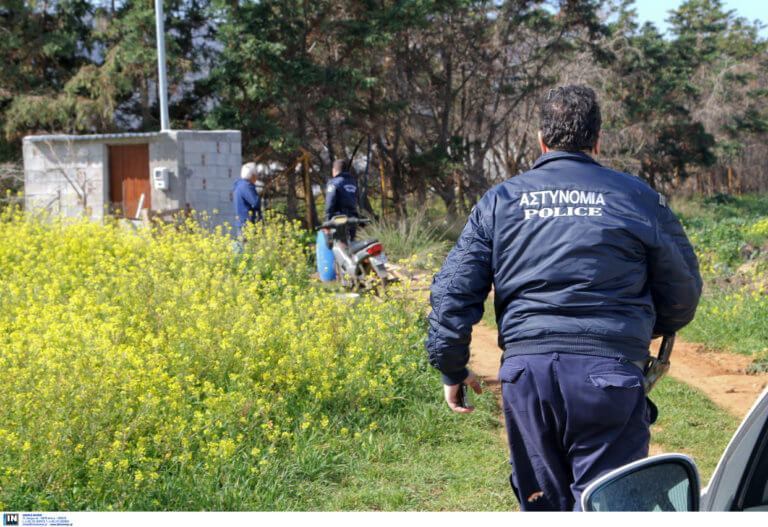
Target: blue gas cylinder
column 324, row 259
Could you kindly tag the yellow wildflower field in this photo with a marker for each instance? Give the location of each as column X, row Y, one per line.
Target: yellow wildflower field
column 164, row 370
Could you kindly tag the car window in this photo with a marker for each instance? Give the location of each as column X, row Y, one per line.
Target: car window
column 738, row 475
column 754, row 493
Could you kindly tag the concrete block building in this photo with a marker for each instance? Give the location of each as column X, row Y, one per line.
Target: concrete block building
column 121, row 174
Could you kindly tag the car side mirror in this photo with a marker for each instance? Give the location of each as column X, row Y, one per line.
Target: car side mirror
column 669, row 482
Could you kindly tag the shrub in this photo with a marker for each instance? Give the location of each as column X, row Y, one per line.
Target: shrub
column 414, row 238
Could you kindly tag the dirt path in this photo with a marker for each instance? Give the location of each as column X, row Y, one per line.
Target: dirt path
column 485, row 357
column 721, row 376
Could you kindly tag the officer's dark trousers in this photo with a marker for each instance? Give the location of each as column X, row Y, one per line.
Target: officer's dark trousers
column 570, row 418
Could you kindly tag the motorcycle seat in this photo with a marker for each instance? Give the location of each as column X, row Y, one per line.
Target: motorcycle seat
column 359, row 246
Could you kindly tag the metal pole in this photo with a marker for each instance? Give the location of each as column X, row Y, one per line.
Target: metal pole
column 162, row 87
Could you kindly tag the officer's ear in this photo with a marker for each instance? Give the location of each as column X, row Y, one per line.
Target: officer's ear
column 542, row 145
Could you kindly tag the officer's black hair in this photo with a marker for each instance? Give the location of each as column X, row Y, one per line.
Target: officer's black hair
column 342, row 165
column 570, row 118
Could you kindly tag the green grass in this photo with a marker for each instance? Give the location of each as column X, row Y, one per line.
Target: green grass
column 415, row 238
column 688, row 423
column 730, row 320
column 424, row 458
column 438, row 460
column 719, row 228
column 730, row 237
column 691, row 424
column 719, row 207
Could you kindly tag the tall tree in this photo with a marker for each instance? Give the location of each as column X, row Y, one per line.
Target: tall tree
column 290, row 77
column 461, row 70
column 110, row 83
column 727, row 60
column 651, row 131
column 43, row 44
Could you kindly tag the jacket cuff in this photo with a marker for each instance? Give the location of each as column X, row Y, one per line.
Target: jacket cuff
column 453, row 378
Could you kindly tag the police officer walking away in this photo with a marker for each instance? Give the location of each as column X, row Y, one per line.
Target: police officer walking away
column 341, row 194
column 587, row 263
column 246, row 196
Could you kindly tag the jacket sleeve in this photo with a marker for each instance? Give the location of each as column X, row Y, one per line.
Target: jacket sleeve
column 251, row 196
column 457, row 297
column 673, row 274
column 331, row 196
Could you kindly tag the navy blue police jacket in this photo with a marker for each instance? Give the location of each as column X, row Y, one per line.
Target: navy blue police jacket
column 247, row 203
column 583, row 259
column 341, row 196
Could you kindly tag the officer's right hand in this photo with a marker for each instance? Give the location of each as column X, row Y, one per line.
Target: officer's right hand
column 452, row 394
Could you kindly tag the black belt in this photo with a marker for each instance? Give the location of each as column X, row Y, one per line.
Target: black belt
column 642, row 364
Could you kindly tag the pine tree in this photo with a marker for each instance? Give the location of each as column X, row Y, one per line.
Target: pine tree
column 43, row 44
column 110, row 84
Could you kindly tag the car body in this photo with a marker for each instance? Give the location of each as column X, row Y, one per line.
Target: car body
column 670, row 482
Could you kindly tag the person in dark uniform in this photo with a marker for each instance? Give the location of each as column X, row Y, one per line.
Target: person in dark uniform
column 587, row 264
column 246, row 196
column 341, row 194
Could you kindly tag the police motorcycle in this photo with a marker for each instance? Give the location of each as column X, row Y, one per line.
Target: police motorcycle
column 357, row 265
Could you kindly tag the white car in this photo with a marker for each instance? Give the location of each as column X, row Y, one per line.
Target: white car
column 670, row 482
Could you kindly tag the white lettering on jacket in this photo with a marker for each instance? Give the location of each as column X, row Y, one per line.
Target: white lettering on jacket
column 560, row 203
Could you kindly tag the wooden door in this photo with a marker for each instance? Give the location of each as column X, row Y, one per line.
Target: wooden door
column 129, row 178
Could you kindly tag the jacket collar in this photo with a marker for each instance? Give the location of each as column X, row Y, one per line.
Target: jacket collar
column 562, row 154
